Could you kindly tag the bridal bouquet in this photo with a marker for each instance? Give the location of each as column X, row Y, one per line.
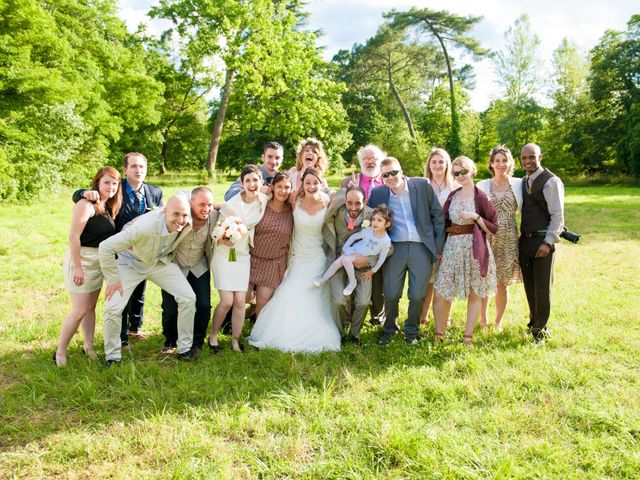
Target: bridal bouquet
column 232, row 229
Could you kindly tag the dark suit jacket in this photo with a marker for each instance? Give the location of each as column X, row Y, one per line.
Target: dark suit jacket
column 426, row 211
column 152, row 196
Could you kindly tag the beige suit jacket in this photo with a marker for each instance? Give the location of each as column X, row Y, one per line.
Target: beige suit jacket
column 334, row 230
column 140, row 242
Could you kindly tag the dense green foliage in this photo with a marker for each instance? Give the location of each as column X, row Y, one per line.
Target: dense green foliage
column 77, row 91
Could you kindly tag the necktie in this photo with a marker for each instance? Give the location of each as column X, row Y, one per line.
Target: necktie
column 139, row 201
column 352, row 223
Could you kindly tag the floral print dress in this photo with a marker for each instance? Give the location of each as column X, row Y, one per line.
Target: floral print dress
column 459, row 272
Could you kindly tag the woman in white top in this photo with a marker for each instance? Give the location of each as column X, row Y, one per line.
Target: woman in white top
column 231, row 278
column 438, row 171
column 505, row 192
column 309, row 153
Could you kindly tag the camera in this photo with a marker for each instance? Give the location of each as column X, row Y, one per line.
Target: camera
column 569, row 236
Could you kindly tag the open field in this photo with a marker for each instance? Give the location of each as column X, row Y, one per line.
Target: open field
column 506, row 409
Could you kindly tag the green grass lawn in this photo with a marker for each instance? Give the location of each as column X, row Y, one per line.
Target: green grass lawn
column 506, row 409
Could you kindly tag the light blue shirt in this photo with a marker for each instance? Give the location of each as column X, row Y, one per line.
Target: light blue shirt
column 403, row 228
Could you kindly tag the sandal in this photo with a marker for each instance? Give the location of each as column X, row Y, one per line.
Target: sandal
column 468, row 340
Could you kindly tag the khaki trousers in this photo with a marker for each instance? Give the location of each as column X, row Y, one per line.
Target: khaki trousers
column 170, row 279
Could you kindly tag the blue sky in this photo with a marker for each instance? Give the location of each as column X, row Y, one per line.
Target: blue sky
column 345, row 22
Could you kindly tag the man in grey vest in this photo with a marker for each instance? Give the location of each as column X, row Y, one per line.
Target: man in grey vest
column 540, row 228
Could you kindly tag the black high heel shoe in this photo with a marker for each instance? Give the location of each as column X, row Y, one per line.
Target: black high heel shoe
column 214, row 348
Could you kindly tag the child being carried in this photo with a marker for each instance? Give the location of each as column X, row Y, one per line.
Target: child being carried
column 370, row 242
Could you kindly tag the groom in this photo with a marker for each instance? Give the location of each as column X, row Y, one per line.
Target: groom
column 417, row 235
column 345, row 216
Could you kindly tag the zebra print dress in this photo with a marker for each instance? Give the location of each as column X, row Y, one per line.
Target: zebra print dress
column 505, row 242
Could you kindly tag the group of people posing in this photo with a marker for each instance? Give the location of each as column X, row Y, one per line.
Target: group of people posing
column 312, row 262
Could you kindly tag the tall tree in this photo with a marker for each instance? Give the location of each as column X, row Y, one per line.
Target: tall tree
column 568, row 92
column 518, row 67
column 248, row 38
column 447, row 29
column 404, row 68
column 518, row 64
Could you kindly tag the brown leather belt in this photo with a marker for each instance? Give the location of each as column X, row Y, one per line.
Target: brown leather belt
column 455, row 229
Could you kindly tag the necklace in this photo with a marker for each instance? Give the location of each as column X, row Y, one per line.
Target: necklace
column 440, row 185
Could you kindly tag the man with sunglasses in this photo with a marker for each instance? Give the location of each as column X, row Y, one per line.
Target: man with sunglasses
column 540, row 228
column 272, row 156
column 417, row 235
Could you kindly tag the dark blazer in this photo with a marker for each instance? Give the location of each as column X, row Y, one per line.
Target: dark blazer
column 426, row 211
column 152, row 196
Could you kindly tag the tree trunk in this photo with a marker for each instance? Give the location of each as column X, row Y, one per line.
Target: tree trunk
column 455, row 141
column 165, row 150
column 217, row 127
column 403, row 107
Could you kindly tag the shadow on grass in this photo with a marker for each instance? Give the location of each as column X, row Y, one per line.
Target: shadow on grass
column 40, row 399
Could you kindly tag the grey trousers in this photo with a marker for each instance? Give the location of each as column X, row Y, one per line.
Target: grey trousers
column 170, row 279
column 349, row 311
column 414, row 259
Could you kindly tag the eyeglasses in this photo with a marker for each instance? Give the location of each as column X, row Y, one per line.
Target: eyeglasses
column 392, row 173
column 460, row 172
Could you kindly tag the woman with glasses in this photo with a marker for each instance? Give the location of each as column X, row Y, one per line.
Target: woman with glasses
column 467, row 268
column 438, row 171
column 505, row 192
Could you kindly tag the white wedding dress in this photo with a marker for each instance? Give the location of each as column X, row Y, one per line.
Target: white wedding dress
column 298, row 316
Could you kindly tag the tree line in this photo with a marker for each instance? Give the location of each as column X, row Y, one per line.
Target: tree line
column 77, row 90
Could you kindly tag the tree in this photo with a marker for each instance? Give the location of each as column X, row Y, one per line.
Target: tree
column 614, row 85
column 254, row 41
column 404, row 68
column 518, row 64
column 518, row 70
column 72, row 82
column 445, row 27
column 568, row 92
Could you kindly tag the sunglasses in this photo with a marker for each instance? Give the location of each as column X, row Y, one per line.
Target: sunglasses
column 460, row 172
column 392, row 173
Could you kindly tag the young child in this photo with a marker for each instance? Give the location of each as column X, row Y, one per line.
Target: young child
column 371, row 242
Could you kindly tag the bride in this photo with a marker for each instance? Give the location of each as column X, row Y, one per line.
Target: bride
column 298, row 317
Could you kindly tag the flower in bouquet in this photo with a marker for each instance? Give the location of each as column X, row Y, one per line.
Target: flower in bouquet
column 231, row 229
column 366, row 224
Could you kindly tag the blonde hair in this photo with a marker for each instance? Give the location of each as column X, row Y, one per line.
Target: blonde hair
column 448, row 176
column 316, row 145
column 467, row 163
column 507, row 153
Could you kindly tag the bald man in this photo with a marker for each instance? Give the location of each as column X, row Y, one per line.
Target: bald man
column 144, row 251
column 540, row 228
